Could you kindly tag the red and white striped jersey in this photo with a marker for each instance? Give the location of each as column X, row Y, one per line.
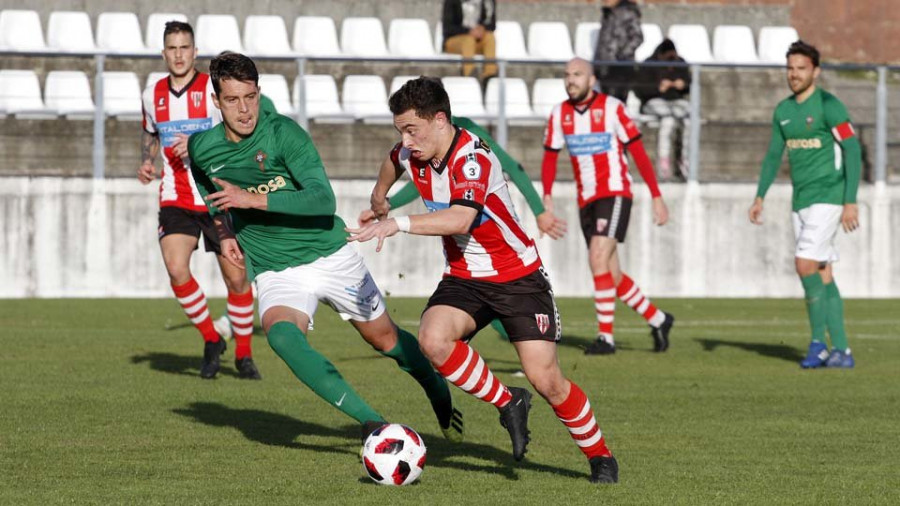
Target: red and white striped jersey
column 496, row 248
column 595, row 137
column 166, row 113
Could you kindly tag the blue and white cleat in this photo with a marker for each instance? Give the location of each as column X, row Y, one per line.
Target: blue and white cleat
column 841, row 359
column 815, row 356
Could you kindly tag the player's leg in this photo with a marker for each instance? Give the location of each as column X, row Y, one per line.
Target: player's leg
column 463, row 45
column 240, row 315
column 570, row 404
column 659, row 107
column 630, row 293
column 601, row 252
column 500, row 330
column 834, row 321
column 286, row 305
column 487, row 46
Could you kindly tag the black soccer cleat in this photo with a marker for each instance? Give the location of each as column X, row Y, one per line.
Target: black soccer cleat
column 247, row 369
column 514, row 417
column 370, row 426
column 661, row 335
column 211, row 353
column 604, row 470
column 455, row 430
column 600, row 346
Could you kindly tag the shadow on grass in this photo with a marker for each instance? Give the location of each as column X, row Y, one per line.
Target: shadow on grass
column 187, row 365
column 580, row 343
column 275, row 429
column 781, row 351
column 257, row 330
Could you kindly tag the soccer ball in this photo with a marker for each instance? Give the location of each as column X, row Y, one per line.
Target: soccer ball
column 394, row 454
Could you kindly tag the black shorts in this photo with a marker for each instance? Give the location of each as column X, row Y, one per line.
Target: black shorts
column 606, row 217
column 175, row 220
column 525, row 307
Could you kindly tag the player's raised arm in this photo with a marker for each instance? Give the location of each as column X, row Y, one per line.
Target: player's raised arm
column 388, row 174
column 315, row 197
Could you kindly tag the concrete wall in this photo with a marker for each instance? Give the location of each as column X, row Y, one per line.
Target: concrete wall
column 71, row 237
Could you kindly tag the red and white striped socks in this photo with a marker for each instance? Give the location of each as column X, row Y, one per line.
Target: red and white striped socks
column 635, row 299
column 240, row 314
column 466, row 369
column 193, row 301
column 605, row 304
column 576, row 414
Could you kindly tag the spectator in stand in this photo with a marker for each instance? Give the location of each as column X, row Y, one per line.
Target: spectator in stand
column 469, row 30
column 666, row 97
column 619, row 37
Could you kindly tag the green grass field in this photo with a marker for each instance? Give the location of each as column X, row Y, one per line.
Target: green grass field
column 102, row 403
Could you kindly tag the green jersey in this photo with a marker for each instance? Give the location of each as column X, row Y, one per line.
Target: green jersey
column 823, row 151
column 280, row 161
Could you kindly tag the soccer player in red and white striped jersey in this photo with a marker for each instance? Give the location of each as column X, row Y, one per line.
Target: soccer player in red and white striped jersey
column 174, row 107
column 493, row 271
column 596, row 131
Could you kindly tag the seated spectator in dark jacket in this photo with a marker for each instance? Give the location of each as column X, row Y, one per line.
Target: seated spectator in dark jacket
column 469, row 30
column 665, row 95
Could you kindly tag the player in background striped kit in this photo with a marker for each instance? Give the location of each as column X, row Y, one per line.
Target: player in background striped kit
column 175, row 107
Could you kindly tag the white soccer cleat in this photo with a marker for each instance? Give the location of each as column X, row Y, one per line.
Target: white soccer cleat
column 223, row 327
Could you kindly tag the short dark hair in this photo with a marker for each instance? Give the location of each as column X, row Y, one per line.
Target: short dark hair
column 177, row 27
column 807, row 50
column 424, row 94
column 232, row 66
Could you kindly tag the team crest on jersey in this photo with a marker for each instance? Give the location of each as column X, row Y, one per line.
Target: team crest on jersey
column 543, row 322
column 567, row 119
column 809, row 122
column 196, row 98
column 469, row 194
column 597, row 114
column 601, row 224
column 261, row 160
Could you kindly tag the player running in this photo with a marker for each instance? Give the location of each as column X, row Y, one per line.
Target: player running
column 263, row 170
column 826, row 162
column 175, row 107
column 493, row 271
column 596, row 131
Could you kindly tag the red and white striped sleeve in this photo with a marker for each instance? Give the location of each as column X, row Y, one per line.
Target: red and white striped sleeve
column 553, row 134
column 626, row 130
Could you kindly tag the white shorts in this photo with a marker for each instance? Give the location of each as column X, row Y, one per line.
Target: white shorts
column 814, row 230
column 340, row 280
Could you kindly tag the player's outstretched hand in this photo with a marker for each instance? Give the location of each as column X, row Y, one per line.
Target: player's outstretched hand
column 379, row 229
column 850, row 217
column 552, row 225
column 180, row 146
column 232, row 252
column 756, row 211
column 146, row 173
column 232, row 197
column 660, row 211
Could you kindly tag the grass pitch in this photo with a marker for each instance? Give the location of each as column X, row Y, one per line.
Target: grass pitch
column 102, row 403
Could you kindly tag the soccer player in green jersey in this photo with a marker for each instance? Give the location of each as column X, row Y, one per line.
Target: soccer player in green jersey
column 263, row 169
column 547, row 222
column 825, row 159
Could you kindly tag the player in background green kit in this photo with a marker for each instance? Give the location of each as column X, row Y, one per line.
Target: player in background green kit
column 825, row 158
column 547, row 222
column 263, row 169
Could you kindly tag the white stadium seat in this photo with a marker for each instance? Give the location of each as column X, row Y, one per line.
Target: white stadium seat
column 119, row 32
column 692, row 43
column 68, row 93
column 546, row 94
column 549, row 40
column 156, row 26
column 365, row 98
column 275, row 87
column 21, row 31
column 586, row 39
column 216, row 33
column 315, row 36
column 510, row 40
column 154, row 77
column 439, row 37
column 70, row 31
column 266, row 36
column 734, row 44
column 20, row 94
column 411, row 38
column 465, row 97
column 122, row 95
column 652, row 37
column 774, row 42
column 363, row 37
column 321, row 98
column 518, row 106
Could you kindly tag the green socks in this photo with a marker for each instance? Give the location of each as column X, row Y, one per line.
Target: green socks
column 499, row 328
column 835, row 316
column 815, row 305
column 316, row 372
column 410, row 359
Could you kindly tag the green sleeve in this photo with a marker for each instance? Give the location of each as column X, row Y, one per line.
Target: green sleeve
column 204, row 185
column 772, row 161
column 406, row 195
column 510, row 166
column 836, row 114
column 314, row 196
